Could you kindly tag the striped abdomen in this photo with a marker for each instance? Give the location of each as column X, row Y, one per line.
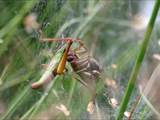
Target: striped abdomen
column 87, row 67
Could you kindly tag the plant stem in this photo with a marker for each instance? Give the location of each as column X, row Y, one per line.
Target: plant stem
column 10, row 28
column 138, row 62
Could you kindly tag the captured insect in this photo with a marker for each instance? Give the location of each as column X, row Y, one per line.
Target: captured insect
column 82, row 64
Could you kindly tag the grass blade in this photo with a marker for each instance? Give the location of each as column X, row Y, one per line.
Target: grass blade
column 139, row 60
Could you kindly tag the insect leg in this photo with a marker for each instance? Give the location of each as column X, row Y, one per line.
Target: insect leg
column 79, row 48
column 67, row 39
column 61, row 66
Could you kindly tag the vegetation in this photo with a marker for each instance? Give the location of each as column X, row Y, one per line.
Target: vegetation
column 111, row 32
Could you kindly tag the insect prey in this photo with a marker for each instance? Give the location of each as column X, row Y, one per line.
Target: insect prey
column 82, row 64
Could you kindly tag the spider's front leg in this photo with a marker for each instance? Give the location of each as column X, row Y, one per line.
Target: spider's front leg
column 67, row 39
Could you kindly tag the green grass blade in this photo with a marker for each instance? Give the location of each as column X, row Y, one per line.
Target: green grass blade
column 10, row 28
column 17, row 102
column 139, row 60
column 42, row 99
